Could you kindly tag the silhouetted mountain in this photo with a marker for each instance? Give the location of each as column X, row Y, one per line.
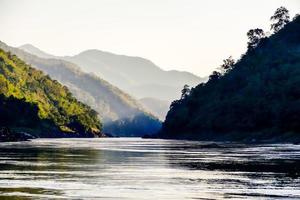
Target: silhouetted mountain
column 114, row 106
column 31, row 101
column 257, row 99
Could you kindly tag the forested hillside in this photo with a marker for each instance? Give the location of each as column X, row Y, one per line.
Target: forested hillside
column 31, row 101
column 255, row 98
column 118, row 110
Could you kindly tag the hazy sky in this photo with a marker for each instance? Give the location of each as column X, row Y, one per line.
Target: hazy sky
column 191, row 35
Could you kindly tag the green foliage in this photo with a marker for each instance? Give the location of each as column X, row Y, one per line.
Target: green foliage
column 115, row 107
column 53, row 102
column 260, row 94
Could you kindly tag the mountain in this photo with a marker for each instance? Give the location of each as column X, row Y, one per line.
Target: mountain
column 257, row 100
column 137, row 76
column 158, row 107
column 117, row 109
column 31, row 101
column 35, row 51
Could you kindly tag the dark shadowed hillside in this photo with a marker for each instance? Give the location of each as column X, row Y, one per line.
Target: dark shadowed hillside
column 256, row 98
column 31, row 101
column 115, row 107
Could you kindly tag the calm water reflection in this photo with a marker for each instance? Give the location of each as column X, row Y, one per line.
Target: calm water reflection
column 132, row 168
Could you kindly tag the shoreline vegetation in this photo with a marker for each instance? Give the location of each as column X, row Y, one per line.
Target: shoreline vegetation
column 24, row 134
column 254, row 99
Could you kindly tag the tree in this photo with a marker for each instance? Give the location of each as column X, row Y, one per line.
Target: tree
column 185, row 91
column 214, row 76
column 227, row 64
column 254, row 36
column 258, row 100
column 281, row 17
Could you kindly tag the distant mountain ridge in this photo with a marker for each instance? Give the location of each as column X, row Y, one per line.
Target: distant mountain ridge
column 115, row 107
column 135, row 75
column 29, row 48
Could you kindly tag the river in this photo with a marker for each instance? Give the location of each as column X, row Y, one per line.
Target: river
column 134, row 168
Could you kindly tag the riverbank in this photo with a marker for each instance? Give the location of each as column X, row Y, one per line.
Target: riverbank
column 7, row 135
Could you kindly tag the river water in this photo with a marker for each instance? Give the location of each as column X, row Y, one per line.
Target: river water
column 134, row 168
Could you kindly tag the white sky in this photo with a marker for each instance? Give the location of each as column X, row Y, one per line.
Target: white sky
column 190, row 35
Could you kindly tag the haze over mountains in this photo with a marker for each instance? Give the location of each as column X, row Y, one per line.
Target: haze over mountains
column 122, row 115
column 137, row 76
column 35, row 51
column 156, row 106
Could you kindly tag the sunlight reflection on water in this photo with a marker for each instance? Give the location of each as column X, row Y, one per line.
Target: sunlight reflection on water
column 134, row 168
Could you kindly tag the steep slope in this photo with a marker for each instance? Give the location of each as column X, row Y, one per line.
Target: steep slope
column 33, row 102
column 137, row 76
column 114, row 106
column 259, row 99
column 158, row 107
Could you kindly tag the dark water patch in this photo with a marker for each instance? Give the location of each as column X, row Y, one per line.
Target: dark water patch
column 258, row 195
column 17, row 197
column 290, row 167
column 30, row 191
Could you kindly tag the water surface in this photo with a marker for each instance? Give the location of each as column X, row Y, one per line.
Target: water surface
column 133, row 168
